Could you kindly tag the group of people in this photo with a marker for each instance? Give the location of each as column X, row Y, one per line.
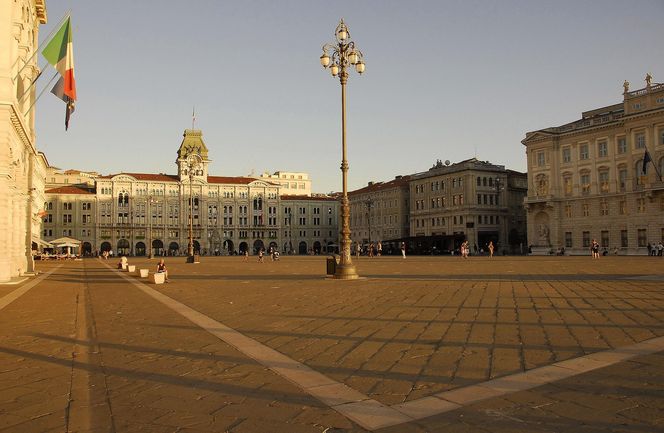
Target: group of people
column 656, row 249
column 464, row 249
column 274, row 255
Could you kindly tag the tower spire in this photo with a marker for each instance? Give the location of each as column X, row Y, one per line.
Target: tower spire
column 193, row 117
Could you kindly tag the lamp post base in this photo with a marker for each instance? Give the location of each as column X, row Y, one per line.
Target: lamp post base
column 193, row 258
column 346, row 272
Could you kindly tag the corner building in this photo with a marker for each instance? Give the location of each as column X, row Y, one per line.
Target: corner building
column 21, row 165
column 129, row 213
column 586, row 178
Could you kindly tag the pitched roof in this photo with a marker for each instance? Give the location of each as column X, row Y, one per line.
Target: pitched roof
column 377, row 186
column 68, row 190
column 146, row 176
column 233, row 180
column 306, row 197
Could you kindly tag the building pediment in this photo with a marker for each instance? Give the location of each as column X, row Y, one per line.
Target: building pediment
column 536, row 136
column 123, row 178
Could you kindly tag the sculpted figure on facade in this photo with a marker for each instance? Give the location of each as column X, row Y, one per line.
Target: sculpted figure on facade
column 544, row 235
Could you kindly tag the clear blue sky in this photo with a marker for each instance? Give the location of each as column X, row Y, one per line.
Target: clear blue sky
column 444, row 80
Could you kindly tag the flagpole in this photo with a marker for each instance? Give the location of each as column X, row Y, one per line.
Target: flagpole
column 41, row 93
column 41, row 71
column 48, row 39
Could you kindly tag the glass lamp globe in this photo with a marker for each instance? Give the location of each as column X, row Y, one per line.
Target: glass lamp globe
column 334, row 69
column 360, row 67
column 353, row 57
column 325, row 60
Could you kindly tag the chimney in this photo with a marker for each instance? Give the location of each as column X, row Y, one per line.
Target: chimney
column 370, row 184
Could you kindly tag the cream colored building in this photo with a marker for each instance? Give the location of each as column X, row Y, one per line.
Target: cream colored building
column 128, row 212
column 292, row 183
column 586, row 180
column 20, row 162
column 310, row 224
column 471, row 200
column 379, row 212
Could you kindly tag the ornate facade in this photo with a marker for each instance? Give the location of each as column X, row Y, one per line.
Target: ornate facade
column 21, row 165
column 129, row 212
column 586, row 179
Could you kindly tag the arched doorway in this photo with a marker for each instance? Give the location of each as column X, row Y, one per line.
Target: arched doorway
column 316, row 247
column 228, row 246
column 173, row 249
column 302, row 248
column 123, row 247
column 86, row 249
column 105, row 246
column 197, row 247
column 258, row 245
column 157, row 247
column 273, row 246
column 139, row 249
column 243, row 247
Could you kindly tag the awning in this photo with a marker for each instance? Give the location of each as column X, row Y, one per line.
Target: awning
column 60, row 242
column 42, row 243
column 70, row 245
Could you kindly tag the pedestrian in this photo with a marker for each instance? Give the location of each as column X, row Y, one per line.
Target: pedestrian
column 594, row 249
column 161, row 269
column 371, row 249
column 380, row 248
column 660, row 249
column 358, row 250
column 490, row 249
column 246, row 255
column 260, row 255
column 464, row 249
column 403, row 249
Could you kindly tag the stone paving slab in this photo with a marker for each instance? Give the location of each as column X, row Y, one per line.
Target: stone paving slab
column 403, row 342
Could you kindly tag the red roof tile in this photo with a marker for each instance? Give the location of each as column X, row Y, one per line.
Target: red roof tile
column 403, row 180
column 68, row 190
column 306, row 197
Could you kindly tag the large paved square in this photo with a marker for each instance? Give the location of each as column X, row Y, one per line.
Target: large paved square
column 424, row 344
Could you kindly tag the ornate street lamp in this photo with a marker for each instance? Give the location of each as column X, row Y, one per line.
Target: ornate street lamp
column 150, row 201
column 338, row 57
column 194, row 161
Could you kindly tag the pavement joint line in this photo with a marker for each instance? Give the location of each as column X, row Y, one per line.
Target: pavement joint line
column 15, row 294
column 372, row 414
column 368, row 413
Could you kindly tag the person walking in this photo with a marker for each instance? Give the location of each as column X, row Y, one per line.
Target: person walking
column 371, row 249
column 380, row 248
column 358, row 250
column 403, row 249
column 260, row 255
column 491, row 249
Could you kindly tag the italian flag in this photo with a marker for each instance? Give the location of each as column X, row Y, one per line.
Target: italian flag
column 60, row 53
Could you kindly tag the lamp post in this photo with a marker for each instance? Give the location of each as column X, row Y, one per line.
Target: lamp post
column 290, row 232
column 339, row 57
column 193, row 162
column 150, row 227
column 369, row 203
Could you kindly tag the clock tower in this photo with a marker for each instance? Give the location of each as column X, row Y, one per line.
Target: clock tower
column 192, row 144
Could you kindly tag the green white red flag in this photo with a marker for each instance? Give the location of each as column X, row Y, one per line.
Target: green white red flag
column 60, row 53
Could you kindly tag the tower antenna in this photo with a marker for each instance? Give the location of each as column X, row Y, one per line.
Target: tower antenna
column 193, row 117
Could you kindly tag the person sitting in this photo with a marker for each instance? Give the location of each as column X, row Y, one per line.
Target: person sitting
column 122, row 264
column 161, row 269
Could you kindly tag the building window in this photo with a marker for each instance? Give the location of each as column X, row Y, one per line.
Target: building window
column 622, row 207
column 586, row 210
column 568, row 210
column 568, row 239
column 567, row 185
column 641, row 237
column 641, row 205
column 602, row 149
column 541, row 160
column 605, row 238
column 585, row 183
column 623, row 239
column 640, row 140
column 567, row 155
column 604, row 181
column 622, row 179
column 604, row 207
column 586, row 239
column 622, row 145
column 583, row 151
